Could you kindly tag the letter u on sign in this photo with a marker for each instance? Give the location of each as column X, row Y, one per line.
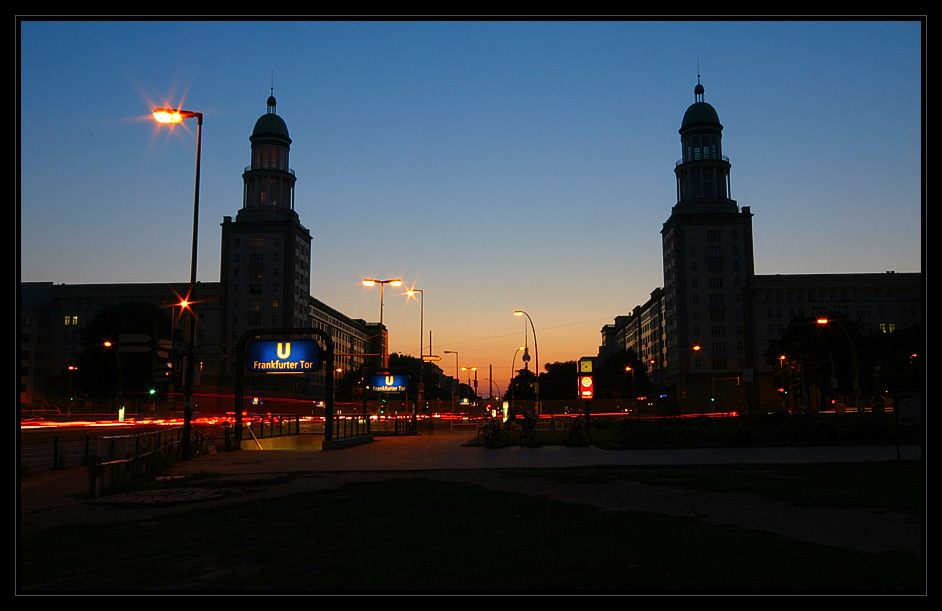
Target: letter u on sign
column 390, row 380
column 283, row 350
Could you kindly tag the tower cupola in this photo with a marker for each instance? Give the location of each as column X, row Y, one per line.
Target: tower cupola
column 269, row 181
column 703, row 171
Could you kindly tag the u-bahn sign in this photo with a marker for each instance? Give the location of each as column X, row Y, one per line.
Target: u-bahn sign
column 389, row 383
column 288, row 356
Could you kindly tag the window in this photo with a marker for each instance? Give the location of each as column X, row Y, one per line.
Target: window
column 70, row 320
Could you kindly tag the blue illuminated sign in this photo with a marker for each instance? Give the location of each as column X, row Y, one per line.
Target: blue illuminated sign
column 389, row 383
column 295, row 356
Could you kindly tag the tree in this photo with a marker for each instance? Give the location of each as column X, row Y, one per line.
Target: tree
column 431, row 374
column 817, row 355
column 622, row 376
column 521, row 385
column 109, row 370
column 559, row 381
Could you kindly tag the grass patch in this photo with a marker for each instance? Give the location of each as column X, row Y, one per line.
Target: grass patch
column 422, row 535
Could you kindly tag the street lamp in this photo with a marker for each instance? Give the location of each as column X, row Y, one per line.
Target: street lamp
column 418, row 395
column 510, row 385
column 72, row 370
column 536, row 347
column 171, row 116
column 853, row 351
column 119, row 395
column 475, row 370
column 455, row 352
column 382, row 287
column 694, row 348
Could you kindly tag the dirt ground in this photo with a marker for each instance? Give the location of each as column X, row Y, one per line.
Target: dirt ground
column 861, row 529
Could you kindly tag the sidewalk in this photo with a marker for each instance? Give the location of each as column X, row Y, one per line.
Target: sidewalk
column 443, row 450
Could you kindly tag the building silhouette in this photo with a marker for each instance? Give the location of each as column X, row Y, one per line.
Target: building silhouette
column 703, row 335
column 265, row 267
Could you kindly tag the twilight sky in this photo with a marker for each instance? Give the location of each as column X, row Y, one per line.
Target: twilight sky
column 494, row 165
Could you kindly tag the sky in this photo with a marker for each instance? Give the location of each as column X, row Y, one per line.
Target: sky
column 494, row 165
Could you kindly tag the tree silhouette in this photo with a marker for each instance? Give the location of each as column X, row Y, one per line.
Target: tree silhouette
column 104, row 371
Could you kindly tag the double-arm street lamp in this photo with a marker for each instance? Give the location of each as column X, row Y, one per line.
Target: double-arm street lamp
column 382, row 286
column 171, row 116
column 536, row 347
column 475, row 370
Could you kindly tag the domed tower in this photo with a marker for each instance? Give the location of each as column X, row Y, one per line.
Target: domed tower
column 708, row 269
column 266, row 252
column 703, row 171
column 269, row 182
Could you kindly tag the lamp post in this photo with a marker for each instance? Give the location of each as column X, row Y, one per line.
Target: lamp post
column 119, row 394
column 510, row 384
column 171, row 116
column 474, row 389
column 853, row 351
column 455, row 352
column 629, row 368
column 419, row 393
column 694, row 348
column 72, row 370
column 536, row 347
column 382, row 286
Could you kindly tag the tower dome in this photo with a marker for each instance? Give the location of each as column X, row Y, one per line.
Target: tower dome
column 270, row 124
column 700, row 112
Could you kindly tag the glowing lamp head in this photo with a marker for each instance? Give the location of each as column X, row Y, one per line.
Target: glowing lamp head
column 396, row 282
column 823, row 321
column 368, row 282
column 171, row 115
column 166, row 115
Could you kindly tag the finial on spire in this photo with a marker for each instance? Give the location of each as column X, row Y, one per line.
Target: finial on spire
column 271, row 97
column 698, row 90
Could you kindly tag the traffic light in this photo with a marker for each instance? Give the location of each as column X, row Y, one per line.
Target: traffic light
column 782, row 391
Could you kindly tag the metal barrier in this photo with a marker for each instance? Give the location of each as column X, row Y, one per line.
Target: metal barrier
column 277, row 425
column 345, row 427
column 121, row 457
column 395, row 425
